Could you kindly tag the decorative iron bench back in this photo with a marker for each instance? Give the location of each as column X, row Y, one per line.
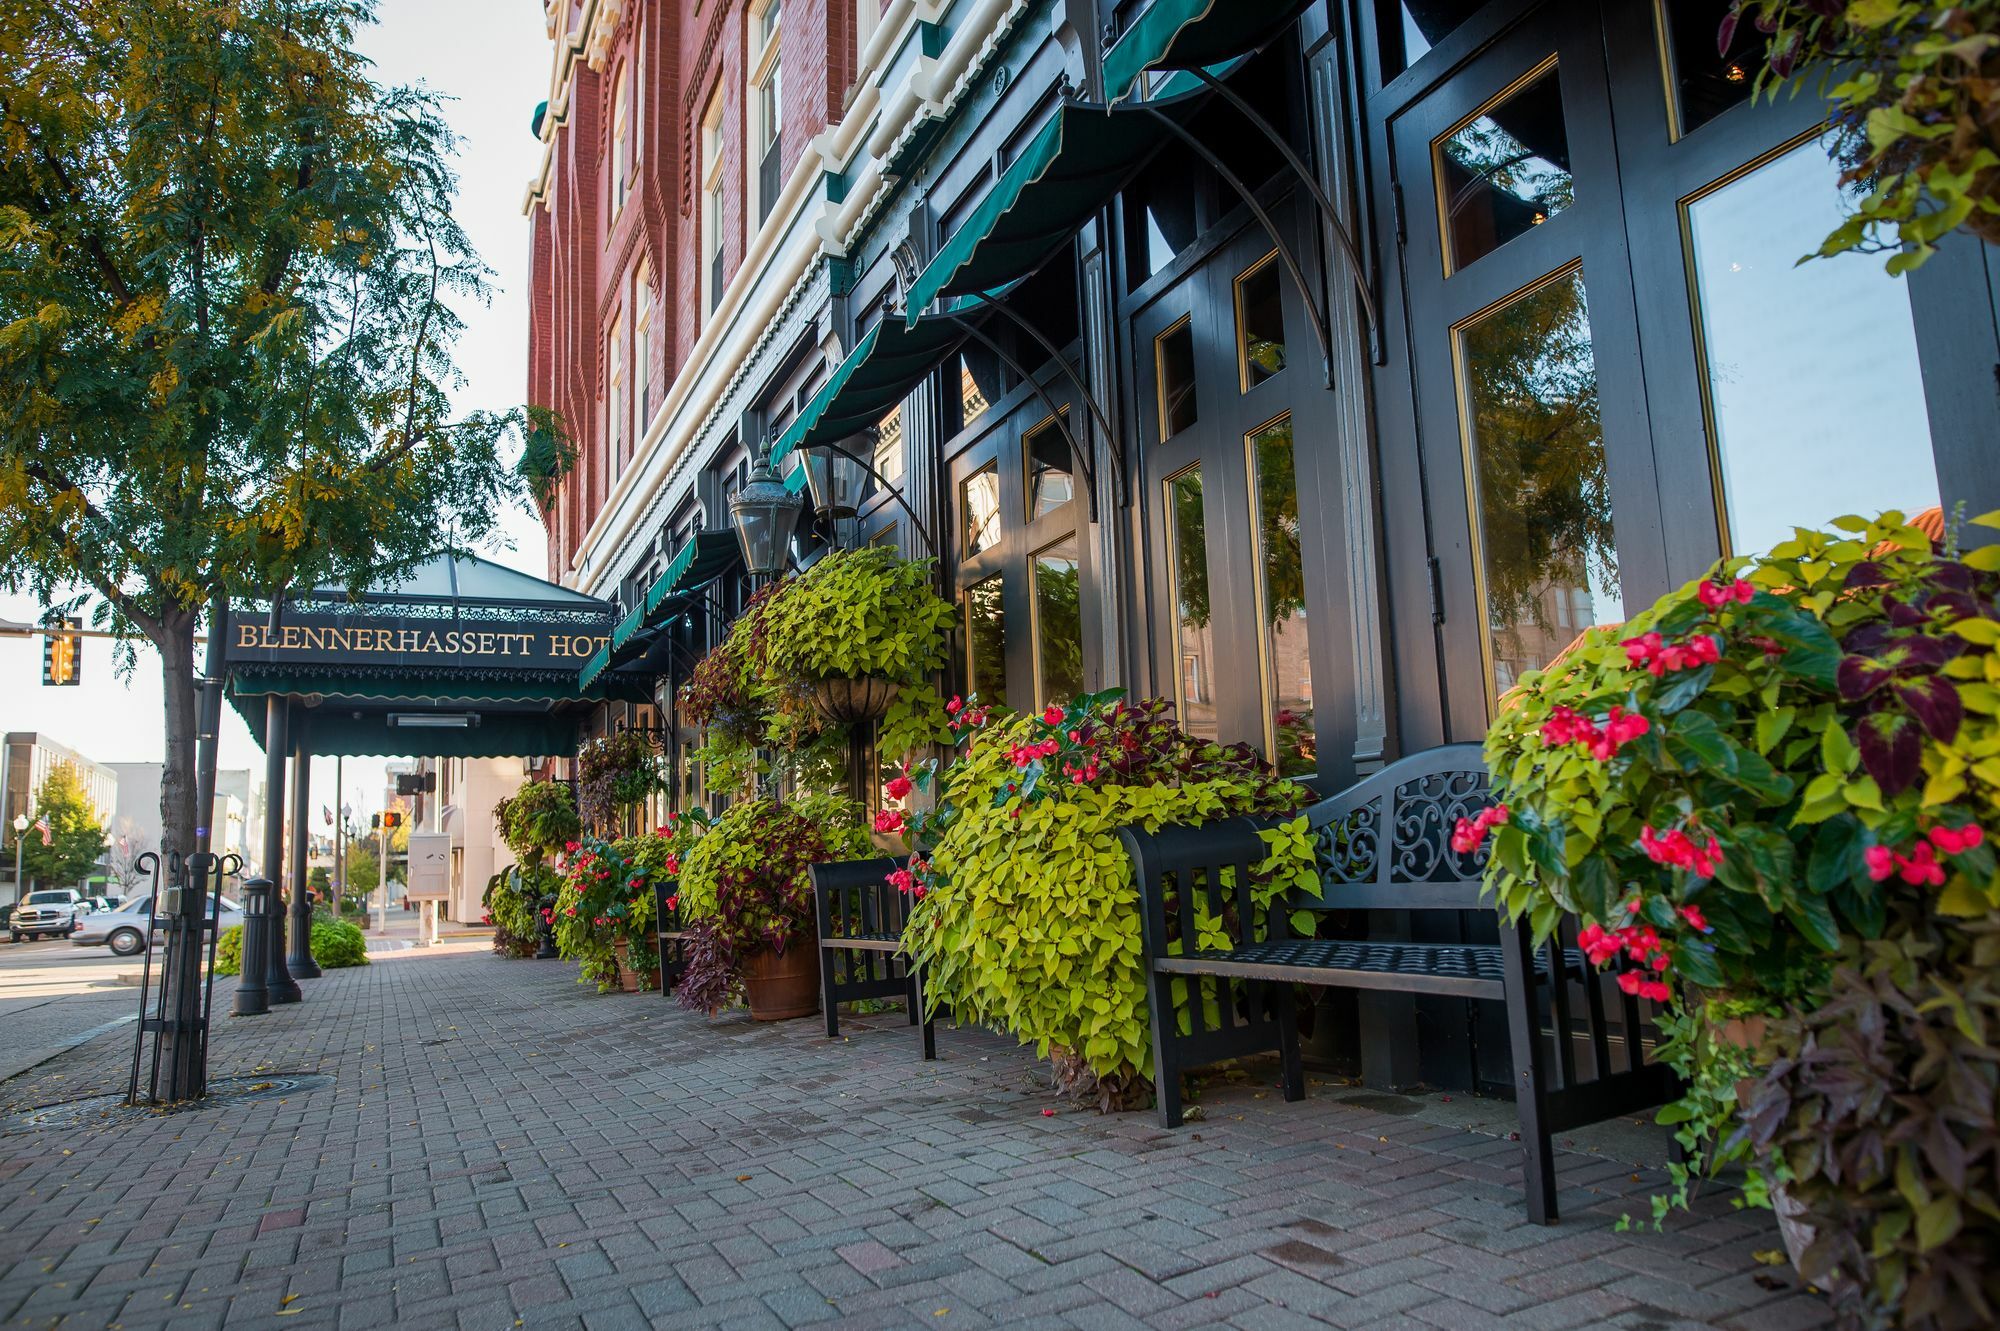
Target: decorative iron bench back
column 856, row 898
column 1384, row 843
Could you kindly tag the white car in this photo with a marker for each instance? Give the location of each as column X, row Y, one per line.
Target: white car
column 51, row 913
column 124, row 929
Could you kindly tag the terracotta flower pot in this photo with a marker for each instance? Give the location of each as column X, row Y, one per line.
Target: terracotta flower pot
column 779, row 987
column 846, row 701
column 628, row 978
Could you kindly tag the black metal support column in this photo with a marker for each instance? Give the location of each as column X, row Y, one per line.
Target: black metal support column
column 277, row 714
column 299, row 959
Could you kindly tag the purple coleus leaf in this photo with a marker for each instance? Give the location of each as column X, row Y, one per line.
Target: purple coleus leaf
column 1867, row 573
column 1892, row 750
column 1726, row 34
column 1858, row 676
column 1934, row 701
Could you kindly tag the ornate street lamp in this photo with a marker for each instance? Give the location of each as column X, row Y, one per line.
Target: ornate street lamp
column 836, row 480
column 764, row 513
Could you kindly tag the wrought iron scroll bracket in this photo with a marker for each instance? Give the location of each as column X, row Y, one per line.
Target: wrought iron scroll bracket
column 1083, row 461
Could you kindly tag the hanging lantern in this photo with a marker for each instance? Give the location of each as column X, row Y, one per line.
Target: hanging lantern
column 836, row 480
column 764, row 513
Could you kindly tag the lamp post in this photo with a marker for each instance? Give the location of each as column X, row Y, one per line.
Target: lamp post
column 20, row 835
column 764, row 513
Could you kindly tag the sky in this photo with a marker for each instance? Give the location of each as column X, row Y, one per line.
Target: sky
column 492, row 62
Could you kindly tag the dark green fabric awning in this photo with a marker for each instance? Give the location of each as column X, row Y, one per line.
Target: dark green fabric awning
column 1193, row 34
column 355, row 716
column 706, row 555
column 879, row 373
column 1063, row 176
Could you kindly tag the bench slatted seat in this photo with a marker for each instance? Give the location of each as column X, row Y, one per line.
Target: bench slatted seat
column 673, row 943
column 861, row 917
column 1384, row 844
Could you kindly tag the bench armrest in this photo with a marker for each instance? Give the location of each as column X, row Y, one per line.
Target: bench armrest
column 854, row 898
column 1182, row 866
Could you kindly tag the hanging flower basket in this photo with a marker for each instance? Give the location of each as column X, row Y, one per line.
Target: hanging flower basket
column 845, row 701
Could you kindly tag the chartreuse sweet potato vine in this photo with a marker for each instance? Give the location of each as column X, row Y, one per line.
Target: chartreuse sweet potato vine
column 1772, row 796
column 1027, row 915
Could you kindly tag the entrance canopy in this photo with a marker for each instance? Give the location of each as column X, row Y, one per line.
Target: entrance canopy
column 458, row 658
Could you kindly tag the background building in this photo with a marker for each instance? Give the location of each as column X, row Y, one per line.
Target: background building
column 26, row 762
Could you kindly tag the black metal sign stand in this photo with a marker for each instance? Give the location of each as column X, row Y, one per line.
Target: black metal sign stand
column 178, row 1024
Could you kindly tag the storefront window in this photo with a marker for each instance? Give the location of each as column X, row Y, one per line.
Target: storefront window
column 889, row 446
column 979, row 507
column 1058, row 625
column 1260, row 324
column 1410, row 28
column 1548, row 565
column 1506, row 171
column 1814, row 388
column 1047, row 456
column 1194, row 630
column 1173, row 357
column 1702, row 82
column 986, row 641
column 1288, row 690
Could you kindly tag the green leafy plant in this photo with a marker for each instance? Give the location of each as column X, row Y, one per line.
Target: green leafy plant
column 744, row 888
column 1026, row 913
column 863, row 612
column 538, row 820
column 614, row 773
column 229, row 951
column 513, row 900
column 1916, row 111
column 1743, row 790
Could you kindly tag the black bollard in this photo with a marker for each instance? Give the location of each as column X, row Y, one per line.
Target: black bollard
column 253, row 995
column 545, row 930
column 278, row 982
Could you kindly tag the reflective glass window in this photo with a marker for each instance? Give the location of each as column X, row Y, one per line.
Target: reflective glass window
column 1702, row 81
column 979, row 507
column 1288, row 689
column 1260, row 324
column 1050, row 485
column 986, row 641
column 1814, row 388
column 1173, row 357
column 1058, row 625
column 1504, row 172
column 1194, row 628
column 1540, row 494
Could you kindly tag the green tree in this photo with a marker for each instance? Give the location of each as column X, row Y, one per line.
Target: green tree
column 76, row 838
column 226, row 265
column 364, row 870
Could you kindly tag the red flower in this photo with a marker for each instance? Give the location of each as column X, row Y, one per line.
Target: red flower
column 1715, row 595
column 1052, row 715
column 1920, row 866
column 570, row 846
column 1678, row 850
column 674, row 901
column 902, row 880
column 1956, row 841
column 956, row 705
column 1048, row 1113
column 1597, row 945
column 1881, row 862
column 1696, row 920
column 1470, row 833
column 889, row 822
column 898, row 788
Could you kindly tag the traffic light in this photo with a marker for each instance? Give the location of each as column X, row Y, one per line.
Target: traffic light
column 392, row 819
column 62, row 655
column 374, row 822
column 416, row 783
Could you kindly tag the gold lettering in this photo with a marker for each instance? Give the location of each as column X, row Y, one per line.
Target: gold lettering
column 246, row 635
column 431, row 642
column 289, row 638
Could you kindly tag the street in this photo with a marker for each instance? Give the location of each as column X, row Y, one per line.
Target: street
column 54, row 995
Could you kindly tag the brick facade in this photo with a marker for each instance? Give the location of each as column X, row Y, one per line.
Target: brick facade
column 675, row 57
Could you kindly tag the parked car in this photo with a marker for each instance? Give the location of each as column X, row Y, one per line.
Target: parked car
column 99, row 903
column 124, row 928
column 54, row 912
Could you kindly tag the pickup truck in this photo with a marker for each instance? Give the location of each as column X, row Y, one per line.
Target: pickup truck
column 51, row 913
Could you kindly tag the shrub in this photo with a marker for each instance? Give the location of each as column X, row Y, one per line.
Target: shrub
column 513, row 901
column 229, row 951
column 1027, row 911
column 744, row 886
column 1762, row 787
column 337, row 944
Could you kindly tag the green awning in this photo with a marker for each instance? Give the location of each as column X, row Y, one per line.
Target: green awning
column 1063, row 176
column 352, row 714
column 879, row 373
column 696, row 564
column 1193, row 34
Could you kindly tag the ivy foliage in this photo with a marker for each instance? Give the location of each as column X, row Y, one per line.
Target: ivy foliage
column 1916, row 111
column 1028, row 917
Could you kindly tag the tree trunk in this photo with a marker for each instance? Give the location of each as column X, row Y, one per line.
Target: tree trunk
column 178, row 815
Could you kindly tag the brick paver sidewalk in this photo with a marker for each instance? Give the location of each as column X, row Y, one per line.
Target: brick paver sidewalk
column 500, row 1147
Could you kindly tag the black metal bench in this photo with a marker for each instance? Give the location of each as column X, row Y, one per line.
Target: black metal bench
column 673, row 943
column 861, row 918
column 1384, row 844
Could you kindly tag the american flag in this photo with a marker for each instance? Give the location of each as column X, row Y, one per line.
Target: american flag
column 48, row 833
column 327, row 814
